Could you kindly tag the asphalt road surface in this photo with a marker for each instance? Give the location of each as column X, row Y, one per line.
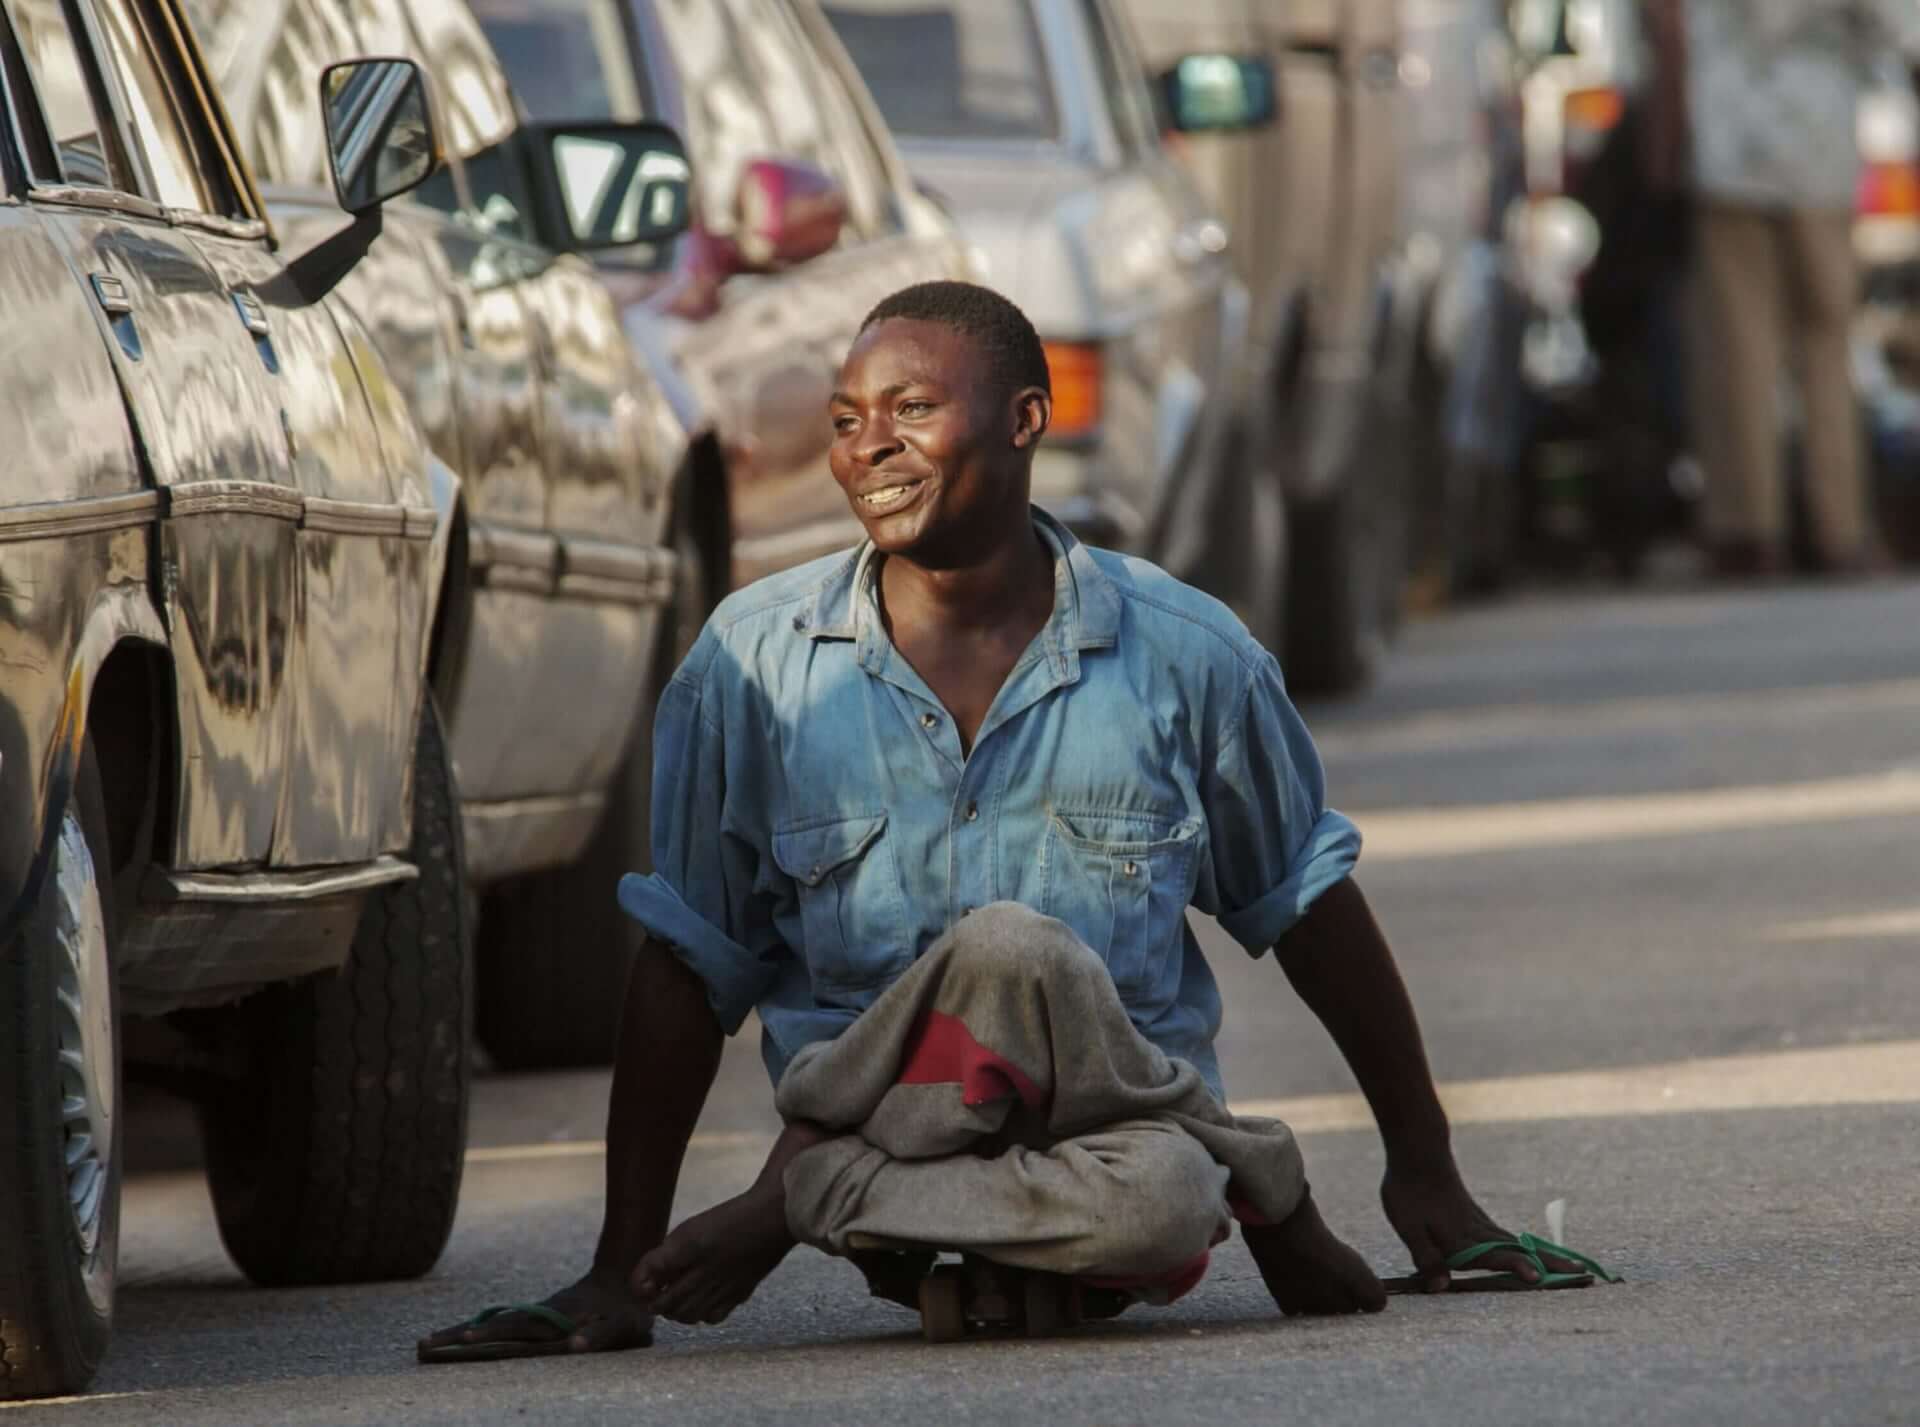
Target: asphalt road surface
column 1650, row 863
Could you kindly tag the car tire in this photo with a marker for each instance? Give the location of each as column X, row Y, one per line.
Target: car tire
column 554, row 947
column 1334, row 633
column 60, row 1159
column 337, row 1156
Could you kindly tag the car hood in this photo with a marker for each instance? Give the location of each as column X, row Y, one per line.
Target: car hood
column 1049, row 230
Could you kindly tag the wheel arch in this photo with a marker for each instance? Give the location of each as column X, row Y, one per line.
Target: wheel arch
column 450, row 584
column 123, row 637
column 701, row 494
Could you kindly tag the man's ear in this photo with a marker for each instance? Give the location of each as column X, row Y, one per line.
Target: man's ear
column 1032, row 415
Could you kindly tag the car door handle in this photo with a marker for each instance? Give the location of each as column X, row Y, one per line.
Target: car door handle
column 114, row 299
column 252, row 315
column 111, row 293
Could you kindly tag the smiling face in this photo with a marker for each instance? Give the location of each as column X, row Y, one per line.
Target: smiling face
column 931, row 445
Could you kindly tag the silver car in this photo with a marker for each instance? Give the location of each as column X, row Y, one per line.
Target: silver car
column 1032, row 121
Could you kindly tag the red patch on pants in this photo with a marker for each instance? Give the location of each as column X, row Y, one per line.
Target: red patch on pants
column 942, row 1051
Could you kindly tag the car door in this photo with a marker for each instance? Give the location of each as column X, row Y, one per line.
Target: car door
column 1162, row 253
column 207, row 416
column 511, row 739
column 569, row 513
column 366, row 514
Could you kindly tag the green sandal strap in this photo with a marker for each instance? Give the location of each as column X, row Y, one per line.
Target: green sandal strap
column 552, row 1317
column 1533, row 1247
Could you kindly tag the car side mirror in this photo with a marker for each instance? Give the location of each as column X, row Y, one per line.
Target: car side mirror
column 380, row 143
column 1220, row 93
column 380, row 136
column 787, row 211
column 608, row 184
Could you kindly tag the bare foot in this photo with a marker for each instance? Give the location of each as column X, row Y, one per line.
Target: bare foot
column 711, row 1264
column 1309, row 1270
column 605, row 1319
column 714, row 1261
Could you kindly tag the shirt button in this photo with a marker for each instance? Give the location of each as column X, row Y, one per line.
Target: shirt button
column 1127, row 869
column 928, row 720
column 973, row 812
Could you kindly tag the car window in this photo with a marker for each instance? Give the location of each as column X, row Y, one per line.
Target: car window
column 566, row 59
column 159, row 129
column 498, row 190
column 951, row 69
column 1128, row 104
column 474, row 100
column 266, row 61
column 46, row 37
column 746, row 100
column 813, row 116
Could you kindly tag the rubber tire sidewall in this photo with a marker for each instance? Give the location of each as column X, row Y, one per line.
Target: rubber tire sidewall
column 1333, row 627
column 338, row 1158
column 52, row 1338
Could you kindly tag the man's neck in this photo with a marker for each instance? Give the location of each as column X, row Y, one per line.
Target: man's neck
column 1011, row 584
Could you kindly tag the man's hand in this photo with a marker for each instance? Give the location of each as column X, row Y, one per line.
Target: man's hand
column 1436, row 1217
column 1340, row 964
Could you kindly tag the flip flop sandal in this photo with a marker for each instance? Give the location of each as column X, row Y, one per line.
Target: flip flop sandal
column 502, row 1348
column 1506, row 1280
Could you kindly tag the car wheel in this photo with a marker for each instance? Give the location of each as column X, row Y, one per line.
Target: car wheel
column 555, row 948
column 1334, row 633
column 337, row 1157
column 60, row 1086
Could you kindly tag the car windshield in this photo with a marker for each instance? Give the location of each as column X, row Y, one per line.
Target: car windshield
column 566, row 59
column 951, row 69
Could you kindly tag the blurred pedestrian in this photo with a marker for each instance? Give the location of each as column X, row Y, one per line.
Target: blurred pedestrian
column 1775, row 85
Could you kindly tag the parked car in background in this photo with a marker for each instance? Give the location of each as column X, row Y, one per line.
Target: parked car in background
column 1311, row 203
column 1033, row 122
column 802, row 218
column 225, row 792
column 1887, row 335
column 1463, row 175
column 575, row 475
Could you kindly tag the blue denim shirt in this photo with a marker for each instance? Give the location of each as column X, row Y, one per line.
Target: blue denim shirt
column 816, row 826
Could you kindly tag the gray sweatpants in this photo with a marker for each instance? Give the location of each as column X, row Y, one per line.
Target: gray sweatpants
column 997, row 1099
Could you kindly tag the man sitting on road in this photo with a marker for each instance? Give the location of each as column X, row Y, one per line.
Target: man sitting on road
column 936, row 810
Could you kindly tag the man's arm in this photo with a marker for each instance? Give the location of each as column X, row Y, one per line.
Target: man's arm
column 1339, row 963
column 669, row 1054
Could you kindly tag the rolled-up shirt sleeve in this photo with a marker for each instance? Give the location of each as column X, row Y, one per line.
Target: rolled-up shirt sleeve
column 1274, row 845
column 701, row 897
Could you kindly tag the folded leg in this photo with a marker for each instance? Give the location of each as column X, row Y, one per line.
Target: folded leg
column 1139, row 1200
column 998, row 1094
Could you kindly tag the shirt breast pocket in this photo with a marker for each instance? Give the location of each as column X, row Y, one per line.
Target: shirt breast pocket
column 852, row 911
column 1123, row 881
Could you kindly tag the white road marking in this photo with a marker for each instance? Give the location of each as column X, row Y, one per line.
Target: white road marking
column 1416, row 834
column 1883, row 1073
column 1866, row 926
column 1451, row 730
column 576, row 1149
column 67, row 1401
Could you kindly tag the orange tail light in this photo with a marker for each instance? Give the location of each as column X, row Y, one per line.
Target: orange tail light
column 1076, row 369
column 1890, row 190
column 1593, row 111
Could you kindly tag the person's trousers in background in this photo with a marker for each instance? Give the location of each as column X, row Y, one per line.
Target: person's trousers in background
column 1777, row 291
column 997, row 1099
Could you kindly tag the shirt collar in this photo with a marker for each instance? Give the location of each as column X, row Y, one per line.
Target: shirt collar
column 1086, row 606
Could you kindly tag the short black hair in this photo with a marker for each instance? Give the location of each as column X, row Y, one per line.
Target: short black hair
column 995, row 324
